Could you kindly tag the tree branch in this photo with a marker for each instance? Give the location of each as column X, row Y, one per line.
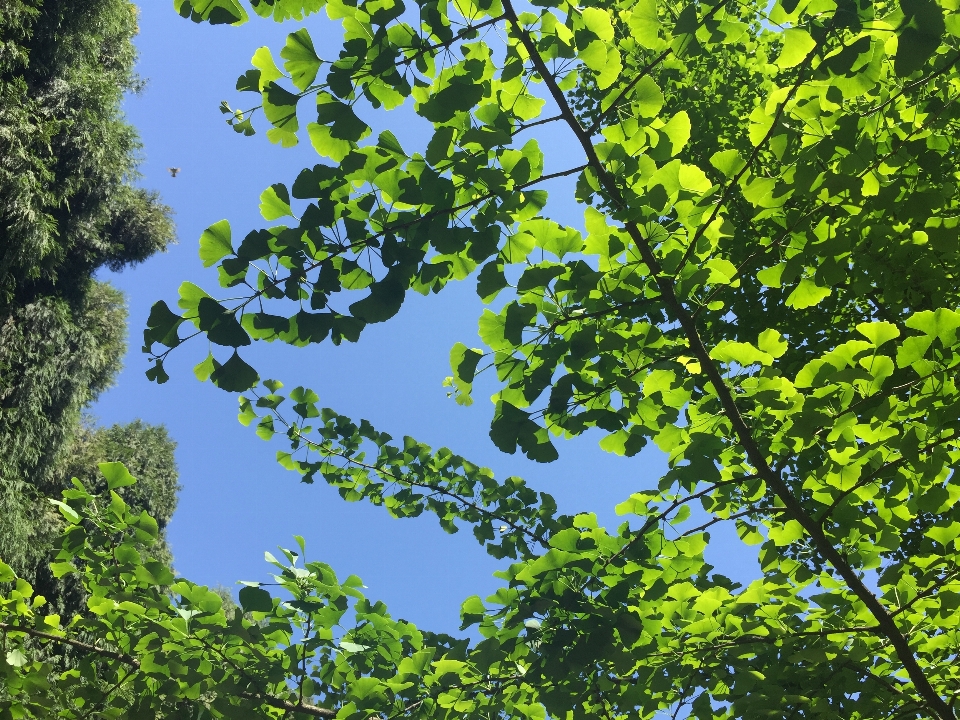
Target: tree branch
column 885, row 623
column 132, row 662
column 86, row 647
column 301, row 707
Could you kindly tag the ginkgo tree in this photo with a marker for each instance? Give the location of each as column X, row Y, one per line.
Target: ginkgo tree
column 766, row 289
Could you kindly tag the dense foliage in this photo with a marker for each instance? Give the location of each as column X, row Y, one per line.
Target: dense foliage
column 68, row 204
column 68, row 207
column 54, row 359
column 146, row 450
column 766, row 290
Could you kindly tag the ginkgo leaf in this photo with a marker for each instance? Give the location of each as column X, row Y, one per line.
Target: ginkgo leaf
column 807, row 294
column 215, row 243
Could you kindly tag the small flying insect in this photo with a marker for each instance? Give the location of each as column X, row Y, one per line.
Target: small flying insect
column 173, row 171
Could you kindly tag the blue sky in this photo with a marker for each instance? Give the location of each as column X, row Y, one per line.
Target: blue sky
column 236, row 502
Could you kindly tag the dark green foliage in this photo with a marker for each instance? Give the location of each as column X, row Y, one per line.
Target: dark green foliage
column 54, row 359
column 148, row 452
column 67, row 203
column 31, row 525
column 68, row 207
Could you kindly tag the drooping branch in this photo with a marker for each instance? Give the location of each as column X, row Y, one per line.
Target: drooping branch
column 387, row 473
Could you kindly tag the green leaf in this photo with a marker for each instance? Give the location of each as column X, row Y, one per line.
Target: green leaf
column 300, row 58
column 771, row 276
column 941, row 323
column 919, row 35
column 353, row 647
column 255, row 599
column 325, row 144
column 235, row 375
column 648, row 97
column 742, row 353
column 204, row 369
column 280, row 108
column 16, row 658
column 220, row 324
column 154, row 573
column 389, row 142
column 490, row 281
column 147, row 528
column 460, row 95
column 913, row 349
column 645, row 24
column 787, row 533
column 695, row 180
column 729, row 163
column 561, row 243
column 463, row 362
column 263, row 60
column 157, row 374
column 518, row 247
column 440, row 145
column 162, row 325
column 945, row 534
column 878, row 333
column 275, row 202
column 513, row 427
column 674, row 135
column 384, row 301
column 68, row 512
column 116, row 474
column 527, row 107
column 215, row 243
column 472, row 611
column 215, row 12
column 594, row 56
column 770, row 341
column 343, row 121
column 61, row 569
column 190, row 297
column 598, row 21
column 807, row 294
column 797, row 44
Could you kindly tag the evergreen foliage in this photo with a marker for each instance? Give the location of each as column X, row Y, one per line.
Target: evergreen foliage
column 54, row 359
column 69, row 206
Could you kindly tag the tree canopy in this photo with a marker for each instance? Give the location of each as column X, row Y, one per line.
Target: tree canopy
column 69, row 205
column 68, row 201
column 765, row 289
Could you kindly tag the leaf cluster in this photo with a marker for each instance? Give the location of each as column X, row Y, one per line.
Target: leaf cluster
column 764, row 287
